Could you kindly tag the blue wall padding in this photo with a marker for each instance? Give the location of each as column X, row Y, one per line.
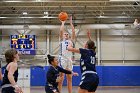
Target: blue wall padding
column 119, row 75
column 38, row 76
column 2, row 70
column 109, row 76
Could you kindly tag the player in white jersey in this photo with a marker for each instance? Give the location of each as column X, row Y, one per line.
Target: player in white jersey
column 65, row 56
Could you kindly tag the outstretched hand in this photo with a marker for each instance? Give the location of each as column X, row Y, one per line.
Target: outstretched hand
column 75, row 74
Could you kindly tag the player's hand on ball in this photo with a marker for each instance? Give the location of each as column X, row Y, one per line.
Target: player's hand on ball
column 63, row 22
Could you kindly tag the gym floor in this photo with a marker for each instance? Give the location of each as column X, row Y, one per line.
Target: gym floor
column 115, row 89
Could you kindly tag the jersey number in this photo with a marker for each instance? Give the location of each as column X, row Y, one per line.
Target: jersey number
column 92, row 60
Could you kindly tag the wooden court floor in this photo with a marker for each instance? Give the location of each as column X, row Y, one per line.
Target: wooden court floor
column 132, row 89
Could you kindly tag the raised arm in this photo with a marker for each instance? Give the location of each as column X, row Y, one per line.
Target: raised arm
column 73, row 29
column 88, row 34
column 62, row 30
column 0, row 74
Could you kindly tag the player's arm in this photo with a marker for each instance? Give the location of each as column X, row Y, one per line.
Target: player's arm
column 70, row 44
column 0, row 74
column 73, row 50
column 88, row 34
column 64, row 71
column 80, row 50
column 11, row 69
column 62, row 30
column 70, row 48
column 67, row 71
column 73, row 30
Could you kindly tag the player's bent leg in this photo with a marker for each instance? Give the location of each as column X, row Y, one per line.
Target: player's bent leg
column 69, row 82
column 61, row 82
column 82, row 90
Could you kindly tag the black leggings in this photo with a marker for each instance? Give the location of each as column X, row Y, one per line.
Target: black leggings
column 8, row 90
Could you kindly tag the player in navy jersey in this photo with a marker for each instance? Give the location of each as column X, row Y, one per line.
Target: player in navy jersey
column 53, row 75
column 65, row 56
column 89, row 79
column 10, row 78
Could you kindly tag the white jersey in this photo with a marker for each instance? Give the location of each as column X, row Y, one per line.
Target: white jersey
column 64, row 53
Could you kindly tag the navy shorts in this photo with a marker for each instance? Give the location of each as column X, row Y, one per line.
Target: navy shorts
column 8, row 90
column 49, row 89
column 89, row 82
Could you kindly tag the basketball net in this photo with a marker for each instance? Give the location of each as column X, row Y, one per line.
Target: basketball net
column 70, row 31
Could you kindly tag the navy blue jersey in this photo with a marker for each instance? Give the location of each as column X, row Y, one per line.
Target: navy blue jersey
column 5, row 78
column 52, row 75
column 87, row 60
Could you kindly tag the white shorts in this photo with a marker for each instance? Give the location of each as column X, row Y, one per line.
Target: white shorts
column 66, row 64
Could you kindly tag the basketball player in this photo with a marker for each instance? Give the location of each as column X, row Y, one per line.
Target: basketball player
column 89, row 79
column 0, row 73
column 65, row 57
column 53, row 75
column 9, row 84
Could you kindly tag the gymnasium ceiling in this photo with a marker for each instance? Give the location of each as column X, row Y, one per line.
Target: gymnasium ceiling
column 83, row 11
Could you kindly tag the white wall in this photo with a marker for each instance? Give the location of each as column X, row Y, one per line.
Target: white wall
column 24, row 77
column 132, row 48
column 120, row 47
column 111, row 48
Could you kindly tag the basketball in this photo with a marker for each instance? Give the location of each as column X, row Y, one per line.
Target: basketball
column 63, row 16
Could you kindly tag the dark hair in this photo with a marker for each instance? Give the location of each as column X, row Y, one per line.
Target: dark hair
column 50, row 58
column 91, row 45
column 9, row 55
